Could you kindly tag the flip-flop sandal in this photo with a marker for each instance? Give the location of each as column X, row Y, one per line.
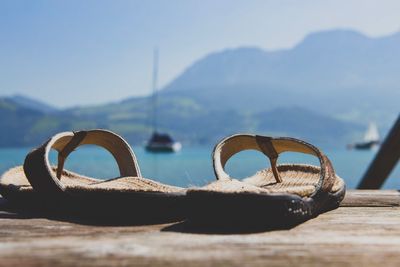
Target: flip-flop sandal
column 282, row 195
column 39, row 184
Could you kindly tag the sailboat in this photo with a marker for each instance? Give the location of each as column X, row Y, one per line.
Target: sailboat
column 159, row 142
column 371, row 139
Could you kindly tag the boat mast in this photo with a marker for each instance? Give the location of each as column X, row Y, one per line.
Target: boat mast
column 154, row 85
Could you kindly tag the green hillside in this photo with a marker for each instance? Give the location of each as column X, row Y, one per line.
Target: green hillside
column 184, row 118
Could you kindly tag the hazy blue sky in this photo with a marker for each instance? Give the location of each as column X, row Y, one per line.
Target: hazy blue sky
column 93, row 51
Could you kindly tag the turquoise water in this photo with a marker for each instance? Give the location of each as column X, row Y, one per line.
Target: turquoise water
column 193, row 165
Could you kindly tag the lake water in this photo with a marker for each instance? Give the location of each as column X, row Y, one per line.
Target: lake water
column 193, row 165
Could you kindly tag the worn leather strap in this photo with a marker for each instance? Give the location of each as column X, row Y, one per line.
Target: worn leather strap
column 72, row 144
column 266, row 146
column 40, row 174
column 271, row 147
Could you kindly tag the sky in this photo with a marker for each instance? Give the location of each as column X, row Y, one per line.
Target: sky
column 88, row 52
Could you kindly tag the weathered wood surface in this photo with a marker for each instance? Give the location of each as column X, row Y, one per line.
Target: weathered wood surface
column 365, row 231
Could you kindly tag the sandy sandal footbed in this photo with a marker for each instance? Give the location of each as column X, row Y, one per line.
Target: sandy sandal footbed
column 282, row 194
column 38, row 183
column 15, row 180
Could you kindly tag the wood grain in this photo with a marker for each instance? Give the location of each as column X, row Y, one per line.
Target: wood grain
column 371, row 198
column 356, row 234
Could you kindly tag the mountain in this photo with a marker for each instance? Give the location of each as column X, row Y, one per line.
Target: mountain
column 305, row 124
column 340, row 73
column 182, row 117
column 25, row 126
column 30, row 103
column 325, row 90
column 16, row 122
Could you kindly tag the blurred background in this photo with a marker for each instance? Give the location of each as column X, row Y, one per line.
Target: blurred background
column 196, row 71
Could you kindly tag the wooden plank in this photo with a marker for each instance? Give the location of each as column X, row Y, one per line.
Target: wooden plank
column 347, row 236
column 371, row 198
column 385, row 160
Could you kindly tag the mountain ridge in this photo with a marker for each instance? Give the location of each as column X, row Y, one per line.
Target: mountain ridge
column 27, row 127
column 343, row 68
column 324, row 90
column 31, row 103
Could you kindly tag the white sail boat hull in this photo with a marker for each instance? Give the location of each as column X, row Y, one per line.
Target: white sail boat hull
column 372, row 134
column 371, row 139
column 162, row 147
